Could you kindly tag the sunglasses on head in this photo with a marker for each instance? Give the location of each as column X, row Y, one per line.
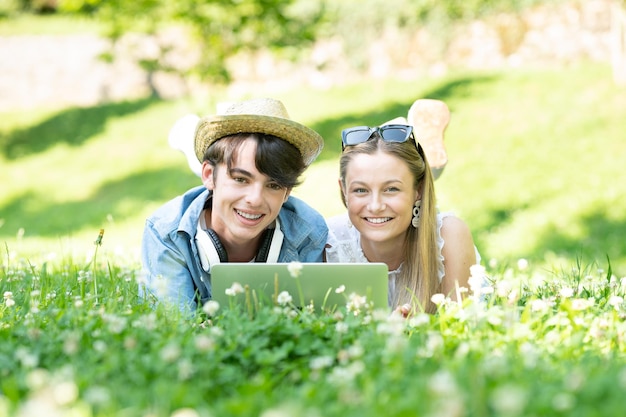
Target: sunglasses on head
column 389, row 133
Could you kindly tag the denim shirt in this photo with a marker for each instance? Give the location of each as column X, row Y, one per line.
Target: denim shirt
column 171, row 268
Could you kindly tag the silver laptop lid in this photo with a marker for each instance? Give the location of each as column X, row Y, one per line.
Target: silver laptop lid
column 327, row 286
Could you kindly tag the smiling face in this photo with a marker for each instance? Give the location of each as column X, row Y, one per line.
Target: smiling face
column 245, row 201
column 379, row 192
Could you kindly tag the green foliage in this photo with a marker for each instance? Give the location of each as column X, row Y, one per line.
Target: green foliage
column 79, row 340
column 218, row 29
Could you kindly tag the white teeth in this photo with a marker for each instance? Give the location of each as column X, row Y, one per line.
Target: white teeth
column 378, row 219
column 249, row 216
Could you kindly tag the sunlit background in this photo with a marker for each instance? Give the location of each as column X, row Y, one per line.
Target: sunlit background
column 89, row 90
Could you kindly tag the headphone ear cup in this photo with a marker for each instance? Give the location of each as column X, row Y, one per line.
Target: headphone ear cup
column 219, row 248
column 266, row 242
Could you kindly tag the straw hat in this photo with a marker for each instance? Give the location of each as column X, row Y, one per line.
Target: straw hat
column 265, row 115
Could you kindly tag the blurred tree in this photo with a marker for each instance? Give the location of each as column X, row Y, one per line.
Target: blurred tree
column 218, row 29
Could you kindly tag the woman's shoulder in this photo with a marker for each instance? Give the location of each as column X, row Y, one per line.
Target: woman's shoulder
column 451, row 225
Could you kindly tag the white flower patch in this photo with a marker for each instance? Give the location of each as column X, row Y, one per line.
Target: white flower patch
column 284, row 298
column 294, row 268
column 211, row 307
column 419, row 320
column 204, row 343
column 234, row 289
column 356, row 303
column 321, row 362
column 8, row 299
column 170, row 352
column 341, row 327
column 616, row 301
column 438, row 299
column 522, row 264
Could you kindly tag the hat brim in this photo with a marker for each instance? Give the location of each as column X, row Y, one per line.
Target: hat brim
column 213, row 128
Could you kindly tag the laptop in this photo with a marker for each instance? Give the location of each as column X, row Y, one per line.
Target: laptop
column 327, row 286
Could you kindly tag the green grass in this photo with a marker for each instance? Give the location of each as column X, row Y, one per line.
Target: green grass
column 534, row 170
column 77, row 340
column 534, row 162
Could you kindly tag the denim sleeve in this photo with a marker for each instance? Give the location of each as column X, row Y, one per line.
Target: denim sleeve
column 312, row 251
column 165, row 274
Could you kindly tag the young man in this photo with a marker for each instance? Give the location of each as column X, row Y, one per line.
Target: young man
column 252, row 156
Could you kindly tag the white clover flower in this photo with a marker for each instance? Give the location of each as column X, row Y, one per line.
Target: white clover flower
column 170, row 352
column 97, row 395
column 65, row 392
column 8, row 299
column 341, row 327
column 204, row 343
column 71, row 344
column 356, row 303
column 340, row 289
column 443, row 383
column 115, row 323
column 217, row 331
column 321, row 362
column 540, row 305
column 234, row 289
column 616, row 301
column 344, row 375
column 294, row 268
column 563, row 401
column 477, row 270
column 37, row 379
column 395, row 344
column 438, row 299
column 566, row 292
column 394, row 325
column 99, row 346
column 522, row 264
column 419, row 320
column 211, row 307
column 284, row 298
column 185, row 369
column 579, row 304
column 509, row 400
column 355, row 351
column 27, row 359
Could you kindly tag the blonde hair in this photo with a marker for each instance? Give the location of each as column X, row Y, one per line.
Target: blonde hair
column 419, row 276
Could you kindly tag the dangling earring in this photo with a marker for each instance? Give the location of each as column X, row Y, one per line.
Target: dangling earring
column 416, row 214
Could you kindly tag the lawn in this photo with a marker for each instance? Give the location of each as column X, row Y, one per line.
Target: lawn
column 534, row 171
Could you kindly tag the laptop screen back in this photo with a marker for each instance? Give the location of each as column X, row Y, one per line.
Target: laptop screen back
column 326, row 285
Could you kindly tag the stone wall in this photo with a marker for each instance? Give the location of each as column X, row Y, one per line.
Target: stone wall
column 65, row 70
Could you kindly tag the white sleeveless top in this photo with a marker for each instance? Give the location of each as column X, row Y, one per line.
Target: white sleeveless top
column 345, row 245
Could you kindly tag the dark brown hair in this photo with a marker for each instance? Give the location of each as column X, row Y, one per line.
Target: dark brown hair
column 275, row 157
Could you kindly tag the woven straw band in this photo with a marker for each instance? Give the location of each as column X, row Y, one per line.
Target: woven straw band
column 267, row 116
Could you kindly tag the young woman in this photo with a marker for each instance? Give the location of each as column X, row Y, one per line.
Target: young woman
column 387, row 186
